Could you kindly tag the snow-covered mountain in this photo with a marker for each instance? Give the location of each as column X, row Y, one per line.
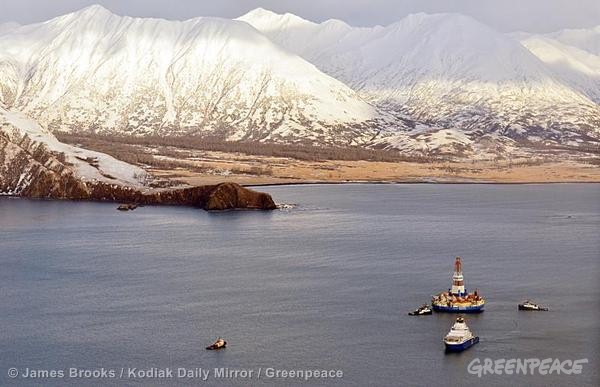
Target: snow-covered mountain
column 575, row 66
column 587, row 39
column 93, row 70
column 444, row 70
column 441, row 83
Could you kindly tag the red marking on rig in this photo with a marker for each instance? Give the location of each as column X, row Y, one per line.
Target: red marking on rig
column 457, row 265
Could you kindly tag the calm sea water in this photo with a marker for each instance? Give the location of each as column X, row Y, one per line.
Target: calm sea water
column 326, row 285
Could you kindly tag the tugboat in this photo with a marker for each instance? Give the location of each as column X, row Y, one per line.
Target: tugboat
column 460, row 337
column 421, row 311
column 457, row 299
column 528, row 305
column 127, row 207
column 219, row 344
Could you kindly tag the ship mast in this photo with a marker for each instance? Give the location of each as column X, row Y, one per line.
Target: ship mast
column 458, row 283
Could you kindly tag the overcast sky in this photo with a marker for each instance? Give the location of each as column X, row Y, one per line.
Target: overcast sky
column 504, row 15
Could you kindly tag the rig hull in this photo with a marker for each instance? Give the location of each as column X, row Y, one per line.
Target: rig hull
column 459, row 309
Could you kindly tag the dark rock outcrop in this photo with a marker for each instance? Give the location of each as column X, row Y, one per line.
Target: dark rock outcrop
column 224, row 196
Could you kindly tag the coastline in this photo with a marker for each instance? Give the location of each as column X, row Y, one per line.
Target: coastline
column 398, row 182
column 300, row 183
column 218, row 197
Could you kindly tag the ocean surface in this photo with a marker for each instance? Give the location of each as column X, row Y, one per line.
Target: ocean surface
column 325, row 285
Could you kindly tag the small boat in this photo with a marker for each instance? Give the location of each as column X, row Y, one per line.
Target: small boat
column 421, row 311
column 460, row 337
column 219, row 344
column 127, row 207
column 528, row 305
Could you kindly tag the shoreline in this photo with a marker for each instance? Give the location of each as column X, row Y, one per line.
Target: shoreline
column 353, row 182
column 222, row 196
column 398, row 182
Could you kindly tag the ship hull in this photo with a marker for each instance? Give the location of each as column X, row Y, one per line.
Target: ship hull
column 533, row 309
column 458, row 309
column 416, row 313
column 462, row 346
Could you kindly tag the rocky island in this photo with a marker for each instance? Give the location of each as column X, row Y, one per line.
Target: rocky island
column 34, row 164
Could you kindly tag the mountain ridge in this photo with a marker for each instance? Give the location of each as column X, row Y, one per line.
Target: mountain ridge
column 440, row 83
column 447, row 71
column 142, row 76
column 577, row 67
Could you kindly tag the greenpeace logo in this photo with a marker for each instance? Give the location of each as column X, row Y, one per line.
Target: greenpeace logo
column 531, row 366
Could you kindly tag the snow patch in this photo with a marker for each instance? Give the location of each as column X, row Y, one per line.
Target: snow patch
column 89, row 165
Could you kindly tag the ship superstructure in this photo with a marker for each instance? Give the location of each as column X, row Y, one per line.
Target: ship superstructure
column 460, row 337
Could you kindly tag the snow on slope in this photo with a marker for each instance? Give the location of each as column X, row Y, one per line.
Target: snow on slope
column 96, row 71
column 456, row 82
column 446, row 70
column 89, row 165
column 587, row 39
column 575, row 66
column 307, row 39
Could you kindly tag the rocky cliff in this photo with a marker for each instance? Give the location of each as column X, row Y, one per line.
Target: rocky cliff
column 34, row 164
column 28, row 168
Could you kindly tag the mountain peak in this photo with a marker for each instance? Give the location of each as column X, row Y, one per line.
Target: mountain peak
column 93, row 9
column 442, row 20
column 260, row 12
column 265, row 17
column 143, row 76
column 210, row 75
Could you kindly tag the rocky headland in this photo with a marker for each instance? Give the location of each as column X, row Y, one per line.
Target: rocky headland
column 223, row 196
column 34, row 164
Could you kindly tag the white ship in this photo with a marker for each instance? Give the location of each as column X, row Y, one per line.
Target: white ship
column 528, row 305
column 460, row 337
